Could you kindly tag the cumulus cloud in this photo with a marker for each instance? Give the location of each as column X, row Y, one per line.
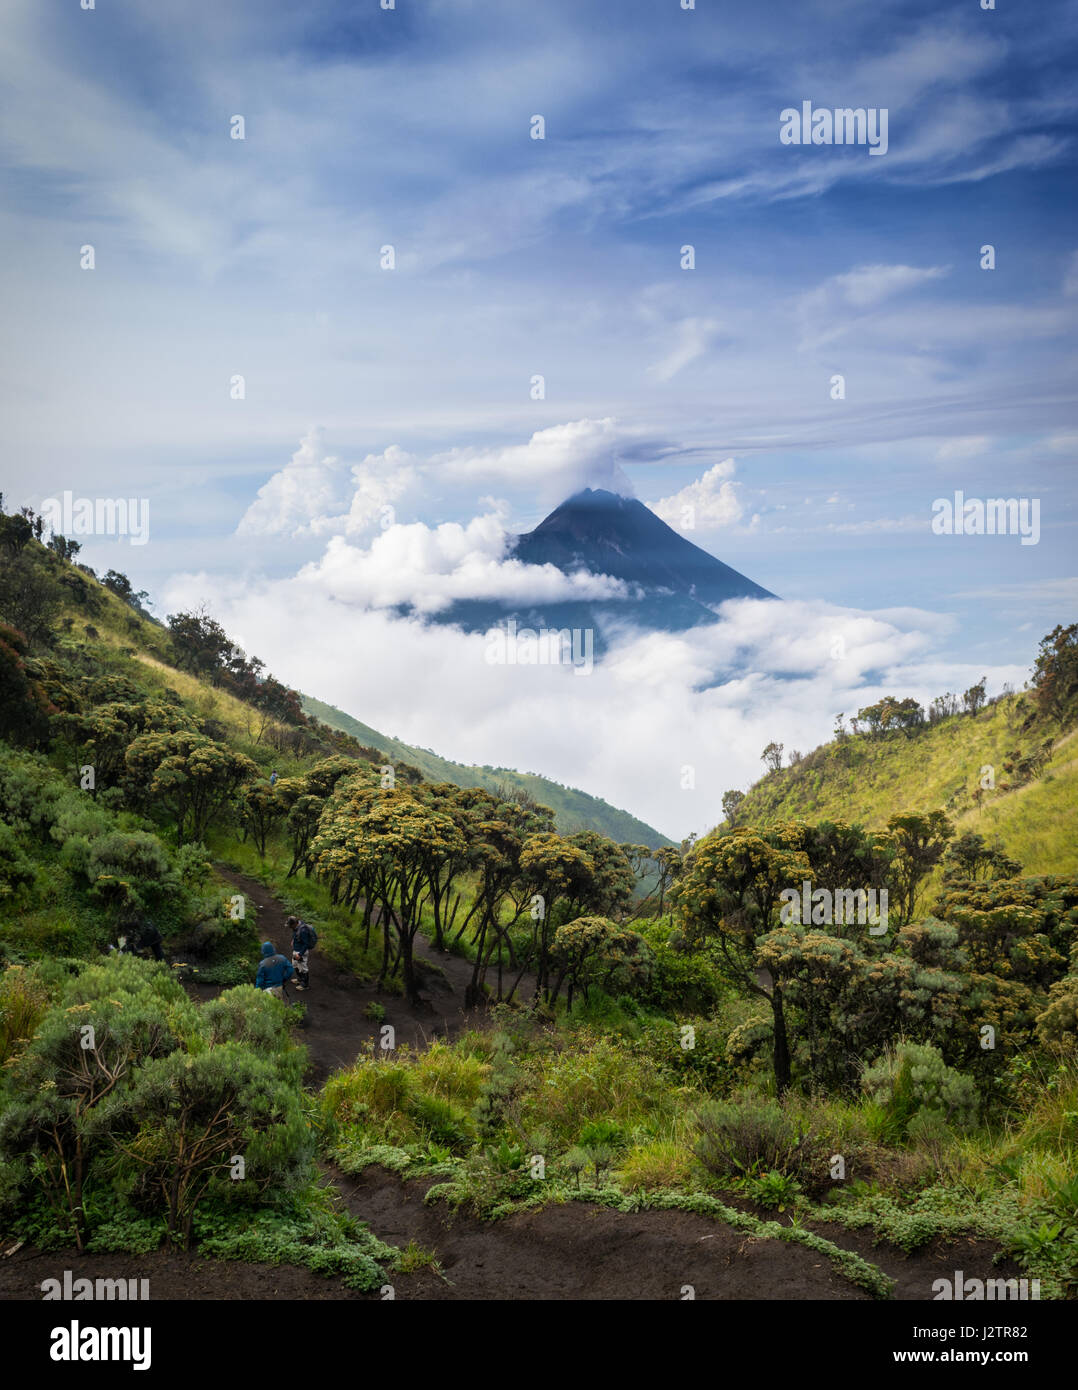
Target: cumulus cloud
column 706, row 504
column 708, row 700
column 428, row 568
column 315, row 494
column 554, row 462
column 298, row 499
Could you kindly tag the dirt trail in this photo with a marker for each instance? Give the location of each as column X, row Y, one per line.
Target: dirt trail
column 337, row 1029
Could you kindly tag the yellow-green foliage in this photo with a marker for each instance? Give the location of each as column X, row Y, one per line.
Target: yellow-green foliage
column 373, row 1088
column 23, row 1001
column 449, row 1073
column 416, row 1096
column 658, row 1163
column 1038, row 823
column 598, row 1080
column 414, row 1257
column 868, row 780
column 1038, row 1148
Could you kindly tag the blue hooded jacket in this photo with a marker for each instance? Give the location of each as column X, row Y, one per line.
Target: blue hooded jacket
column 273, row 969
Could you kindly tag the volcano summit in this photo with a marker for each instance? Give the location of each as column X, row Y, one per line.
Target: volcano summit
column 670, row 584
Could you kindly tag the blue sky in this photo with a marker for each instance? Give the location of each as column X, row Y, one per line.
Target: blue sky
column 559, row 257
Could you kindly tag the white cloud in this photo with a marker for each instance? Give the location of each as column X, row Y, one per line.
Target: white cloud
column 692, row 338
column 869, row 284
column 830, row 309
column 1054, row 591
column 555, row 461
column 298, row 499
column 314, row 495
column 430, row 567
column 710, row 500
column 655, row 705
column 880, row 525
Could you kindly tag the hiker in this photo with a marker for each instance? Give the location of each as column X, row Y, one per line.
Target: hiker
column 304, row 940
column 139, row 937
column 273, row 971
column 148, row 938
column 273, row 778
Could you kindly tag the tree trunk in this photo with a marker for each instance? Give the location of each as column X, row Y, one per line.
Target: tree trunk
column 411, row 989
column 781, row 1053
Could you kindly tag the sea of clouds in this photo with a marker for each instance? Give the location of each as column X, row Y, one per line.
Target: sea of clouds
column 661, row 727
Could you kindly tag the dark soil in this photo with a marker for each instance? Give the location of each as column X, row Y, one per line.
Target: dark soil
column 580, row 1252
column 914, row 1274
column 171, row 1276
column 572, row 1252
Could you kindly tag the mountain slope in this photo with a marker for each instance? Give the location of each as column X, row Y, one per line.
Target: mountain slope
column 673, row 585
column 940, row 767
column 122, row 634
column 603, row 533
column 575, row 810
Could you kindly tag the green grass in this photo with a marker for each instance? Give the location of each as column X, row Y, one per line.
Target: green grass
column 867, row 780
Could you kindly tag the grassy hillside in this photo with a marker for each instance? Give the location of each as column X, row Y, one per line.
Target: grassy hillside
column 575, row 810
column 866, row 778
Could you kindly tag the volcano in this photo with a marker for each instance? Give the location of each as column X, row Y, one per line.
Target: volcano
column 670, row 584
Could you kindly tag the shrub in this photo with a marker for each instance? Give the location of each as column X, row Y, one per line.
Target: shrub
column 252, row 1017
column 23, row 1001
column 450, row 1073
column 442, row 1121
column 184, row 1118
column 85, row 1053
column 658, row 1163
column 744, row 1137
column 913, row 1077
column 369, row 1087
column 16, row 869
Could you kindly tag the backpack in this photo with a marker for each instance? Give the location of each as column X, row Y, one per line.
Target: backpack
column 281, row 963
column 311, row 935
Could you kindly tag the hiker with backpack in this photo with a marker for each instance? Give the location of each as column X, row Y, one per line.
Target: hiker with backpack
column 304, row 940
column 273, row 971
column 139, row 937
column 148, row 939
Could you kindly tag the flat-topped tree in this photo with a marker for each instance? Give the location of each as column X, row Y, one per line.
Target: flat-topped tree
column 392, row 842
column 729, row 896
column 189, row 775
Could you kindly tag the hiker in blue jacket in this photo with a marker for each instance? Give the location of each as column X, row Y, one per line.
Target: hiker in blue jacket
column 304, row 938
column 273, row 971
